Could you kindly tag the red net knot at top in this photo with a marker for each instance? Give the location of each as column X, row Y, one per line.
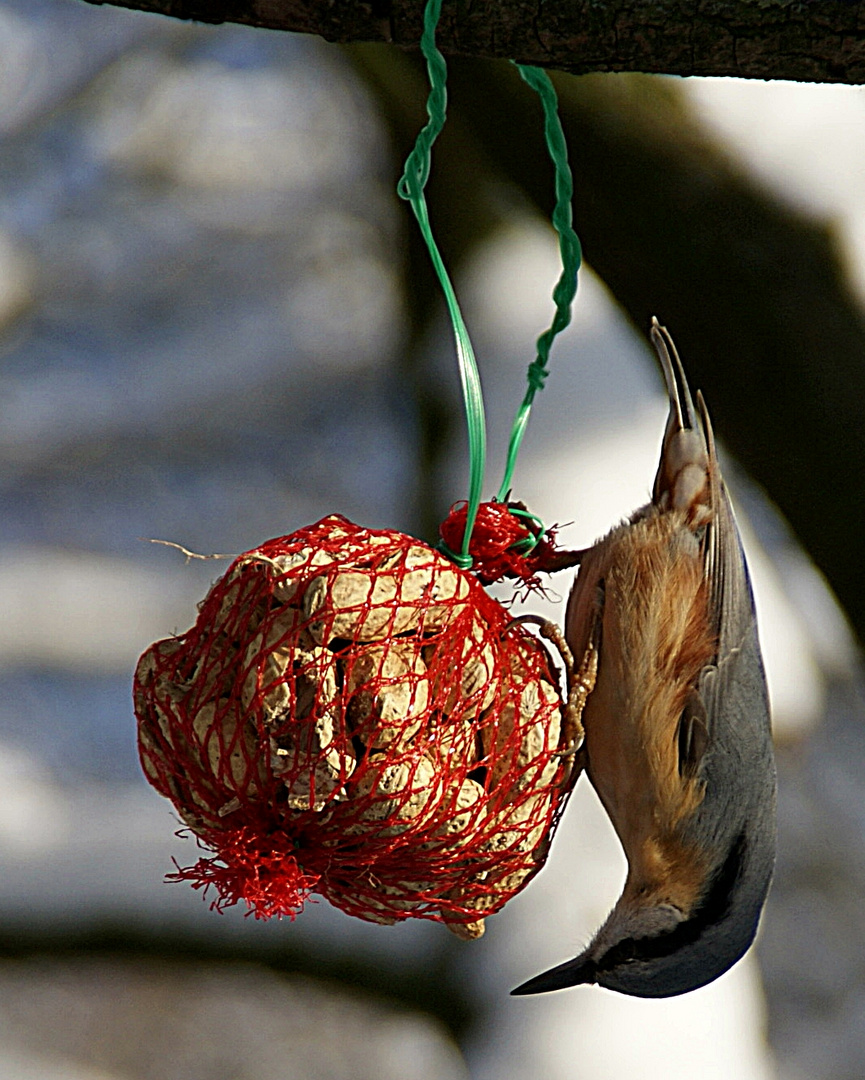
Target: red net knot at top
column 506, row 542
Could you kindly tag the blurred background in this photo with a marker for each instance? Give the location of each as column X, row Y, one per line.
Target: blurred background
column 216, row 325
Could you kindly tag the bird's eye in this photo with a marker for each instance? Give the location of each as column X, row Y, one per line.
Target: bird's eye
column 692, row 735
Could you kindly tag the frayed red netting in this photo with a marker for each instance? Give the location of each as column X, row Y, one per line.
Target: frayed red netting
column 506, row 542
column 353, row 715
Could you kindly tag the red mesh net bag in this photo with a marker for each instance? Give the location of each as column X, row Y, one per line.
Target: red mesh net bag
column 353, row 715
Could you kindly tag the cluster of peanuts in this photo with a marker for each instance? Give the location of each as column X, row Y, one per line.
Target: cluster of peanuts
column 356, row 692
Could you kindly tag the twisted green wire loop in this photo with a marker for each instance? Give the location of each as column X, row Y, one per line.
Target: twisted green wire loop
column 410, row 188
column 571, row 255
column 530, row 542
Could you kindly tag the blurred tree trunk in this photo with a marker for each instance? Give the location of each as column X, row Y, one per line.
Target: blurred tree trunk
column 821, row 40
column 753, row 292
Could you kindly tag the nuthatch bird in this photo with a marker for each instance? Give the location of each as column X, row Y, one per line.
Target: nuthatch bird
column 677, row 736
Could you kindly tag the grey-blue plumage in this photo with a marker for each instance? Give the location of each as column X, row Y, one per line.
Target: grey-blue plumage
column 677, row 732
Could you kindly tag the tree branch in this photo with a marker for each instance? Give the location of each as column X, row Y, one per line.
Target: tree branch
column 813, row 41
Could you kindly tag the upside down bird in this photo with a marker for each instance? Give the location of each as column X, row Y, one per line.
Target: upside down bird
column 677, row 735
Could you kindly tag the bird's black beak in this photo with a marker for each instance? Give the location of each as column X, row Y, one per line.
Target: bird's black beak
column 576, row 972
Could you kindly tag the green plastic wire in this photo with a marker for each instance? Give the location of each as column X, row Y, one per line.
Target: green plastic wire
column 571, row 254
column 410, row 188
column 530, row 542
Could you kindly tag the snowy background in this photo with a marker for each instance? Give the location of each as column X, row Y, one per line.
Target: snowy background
column 200, row 326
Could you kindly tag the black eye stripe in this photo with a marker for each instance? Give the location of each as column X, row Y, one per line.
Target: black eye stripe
column 711, row 911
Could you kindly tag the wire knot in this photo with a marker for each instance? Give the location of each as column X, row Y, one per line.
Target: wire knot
column 537, row 375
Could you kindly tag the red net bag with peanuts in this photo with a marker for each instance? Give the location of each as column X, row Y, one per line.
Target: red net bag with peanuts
column 353, row 715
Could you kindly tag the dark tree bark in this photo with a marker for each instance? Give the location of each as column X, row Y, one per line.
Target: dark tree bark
column 816, row 41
